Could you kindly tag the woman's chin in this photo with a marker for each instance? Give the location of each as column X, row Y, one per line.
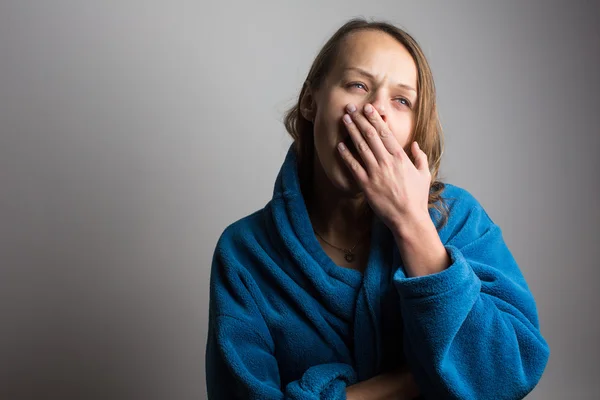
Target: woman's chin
column 346, row 183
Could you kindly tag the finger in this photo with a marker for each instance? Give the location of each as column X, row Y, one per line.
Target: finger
column 351, row 162
column 371, row 135
column 363, row 148
column 420, row 157
column 386, row 136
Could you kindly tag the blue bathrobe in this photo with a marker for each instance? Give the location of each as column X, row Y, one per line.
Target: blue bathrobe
column 285, row 322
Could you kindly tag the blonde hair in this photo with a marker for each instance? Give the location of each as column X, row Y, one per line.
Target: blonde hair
column 427, row 129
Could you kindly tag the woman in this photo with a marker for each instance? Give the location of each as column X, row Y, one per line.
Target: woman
column 364, row 277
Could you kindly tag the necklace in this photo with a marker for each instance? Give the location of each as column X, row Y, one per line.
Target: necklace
column 348, row 253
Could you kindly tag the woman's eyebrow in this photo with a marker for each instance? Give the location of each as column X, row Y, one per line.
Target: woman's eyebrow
column 370, row 76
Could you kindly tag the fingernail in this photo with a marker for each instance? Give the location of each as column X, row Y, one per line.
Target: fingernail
column 351, row 107
column 347, row 119
column 341, row 146
column 368, row 108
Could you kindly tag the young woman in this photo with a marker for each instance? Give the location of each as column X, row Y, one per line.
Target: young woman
column 365, row 277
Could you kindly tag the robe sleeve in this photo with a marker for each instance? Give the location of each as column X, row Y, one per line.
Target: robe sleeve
column 472, row 331
column 240, row 352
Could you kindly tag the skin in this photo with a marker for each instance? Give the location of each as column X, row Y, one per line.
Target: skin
column 367, row 98
column 381, row 173
column 338, row 195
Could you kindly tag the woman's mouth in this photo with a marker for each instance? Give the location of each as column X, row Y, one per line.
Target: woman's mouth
column 352, row 148
column 350, row 145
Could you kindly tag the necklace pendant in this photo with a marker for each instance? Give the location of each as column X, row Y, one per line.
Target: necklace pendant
column 349, row 257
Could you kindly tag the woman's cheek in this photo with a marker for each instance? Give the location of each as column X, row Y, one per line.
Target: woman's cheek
column 401, row 131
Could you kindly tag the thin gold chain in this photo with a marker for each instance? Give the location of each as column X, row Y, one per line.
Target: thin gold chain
column 345, row 250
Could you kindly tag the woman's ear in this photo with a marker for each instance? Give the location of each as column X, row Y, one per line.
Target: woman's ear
column 308, row 107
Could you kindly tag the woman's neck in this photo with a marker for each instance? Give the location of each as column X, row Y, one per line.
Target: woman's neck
column 336, row 216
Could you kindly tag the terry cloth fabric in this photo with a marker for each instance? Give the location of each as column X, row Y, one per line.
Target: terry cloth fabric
column 285, row 322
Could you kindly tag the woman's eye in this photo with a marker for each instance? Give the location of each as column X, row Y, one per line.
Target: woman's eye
column 358, row 85
column 404, row 101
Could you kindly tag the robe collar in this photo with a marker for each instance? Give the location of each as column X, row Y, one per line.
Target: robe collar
column 292, row 215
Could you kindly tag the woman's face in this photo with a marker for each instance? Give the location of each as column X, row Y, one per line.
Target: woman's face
column 372, row 67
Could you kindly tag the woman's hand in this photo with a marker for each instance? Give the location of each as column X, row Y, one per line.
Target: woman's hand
column 397, row 385
column 394, row 186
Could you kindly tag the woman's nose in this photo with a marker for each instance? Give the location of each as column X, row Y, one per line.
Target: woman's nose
column 378, row 105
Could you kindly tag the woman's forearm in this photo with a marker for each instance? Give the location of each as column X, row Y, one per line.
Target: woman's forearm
column 398, row 385
column 421, row 249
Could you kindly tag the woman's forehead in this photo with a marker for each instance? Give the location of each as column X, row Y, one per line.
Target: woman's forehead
column 377, row 53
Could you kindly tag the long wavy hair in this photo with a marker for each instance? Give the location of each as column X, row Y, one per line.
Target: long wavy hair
column 427, row 129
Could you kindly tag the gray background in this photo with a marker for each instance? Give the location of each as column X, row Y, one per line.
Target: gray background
column 132, row 132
